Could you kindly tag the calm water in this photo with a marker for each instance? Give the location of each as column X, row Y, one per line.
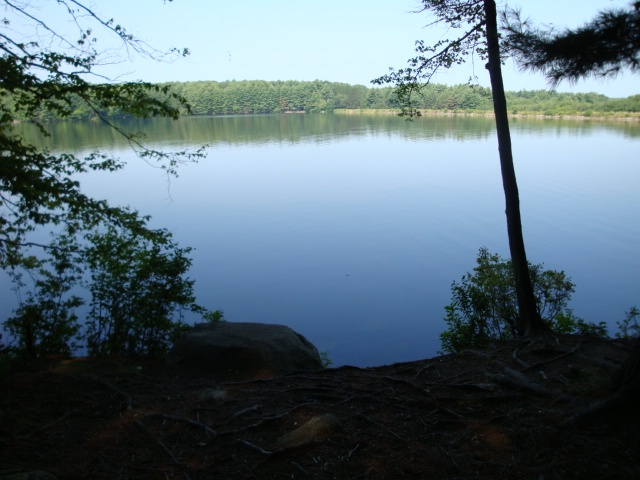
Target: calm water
column 350, row 229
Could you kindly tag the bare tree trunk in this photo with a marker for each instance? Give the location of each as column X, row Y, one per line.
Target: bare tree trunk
column 529, row 322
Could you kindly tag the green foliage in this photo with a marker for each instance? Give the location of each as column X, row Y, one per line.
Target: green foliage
column 629, row 327
column 567, row 323
column 601, row 48
column 484, row 306
column 39, row 188
column 138, row 286
column 11, row 358
column 461, row 333
column 137, row 290
column 138, row 293
column 258, row 97
column 263, row 97
column 45, row 322
column 326, row 361
column 467, row 20
column 214, row 316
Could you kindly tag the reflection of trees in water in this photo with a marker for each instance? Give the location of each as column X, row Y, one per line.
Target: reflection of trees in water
column 295, row 128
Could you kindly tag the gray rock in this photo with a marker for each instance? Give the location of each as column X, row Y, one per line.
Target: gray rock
column 243, row 351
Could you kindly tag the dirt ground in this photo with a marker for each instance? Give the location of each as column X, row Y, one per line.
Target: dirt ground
column 516, row 410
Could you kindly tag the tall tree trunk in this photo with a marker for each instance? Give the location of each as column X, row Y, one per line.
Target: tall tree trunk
column 529, row 322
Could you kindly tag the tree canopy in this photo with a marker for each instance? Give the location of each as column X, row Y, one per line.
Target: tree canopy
column 248, row 97
column 602, row 47
column 45, row 70
column 37, row 188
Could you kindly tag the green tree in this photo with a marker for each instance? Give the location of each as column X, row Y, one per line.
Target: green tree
column 602, row 47
column 37, row 187
column 630, row 327
column 45, row 322
column 484, row 307
column 478, row 22
column 44, row 74
column 138, row 293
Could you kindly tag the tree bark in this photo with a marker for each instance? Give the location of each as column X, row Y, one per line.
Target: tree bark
column 529, row 322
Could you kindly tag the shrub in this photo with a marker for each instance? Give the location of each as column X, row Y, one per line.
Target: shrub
column 566, row 322
column 326, row 361
column 138, row 293
column 484, row 305
column 45, row 322
column 629, row 327
column 214, row 316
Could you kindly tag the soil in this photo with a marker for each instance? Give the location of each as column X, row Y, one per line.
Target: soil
column 516, row 410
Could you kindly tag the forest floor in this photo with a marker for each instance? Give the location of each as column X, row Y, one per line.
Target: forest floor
column 515, row 410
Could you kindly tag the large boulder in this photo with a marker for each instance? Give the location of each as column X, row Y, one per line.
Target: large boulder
column 242, row 351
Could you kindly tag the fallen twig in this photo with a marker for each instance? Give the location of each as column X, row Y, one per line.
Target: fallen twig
column 164, row 447
column 59, row 419
column 422, row 370
column 254, row 447
column 263, row 421
column 364, row 395
column 384, row 427
column 188, row 421
column 404, row 381
column 299, row 467
column 127, row 397
column 254, row 408
column 455, row 464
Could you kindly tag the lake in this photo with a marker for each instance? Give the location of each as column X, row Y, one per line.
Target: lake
column 351, row 228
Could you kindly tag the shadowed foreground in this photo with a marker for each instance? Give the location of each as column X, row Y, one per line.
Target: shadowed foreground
column 515, row 410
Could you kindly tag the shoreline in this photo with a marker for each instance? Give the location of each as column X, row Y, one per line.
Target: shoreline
column 600, row 116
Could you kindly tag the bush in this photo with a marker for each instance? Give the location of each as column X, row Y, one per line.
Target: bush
column 629, row 327
column 214, row 316
column 484, row 305
column 138, row 293
column 567, row 323
column 44, row 322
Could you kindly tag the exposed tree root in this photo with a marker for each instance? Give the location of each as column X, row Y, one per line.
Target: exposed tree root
column 168, row 451
column 484, row 415
column 188, row 421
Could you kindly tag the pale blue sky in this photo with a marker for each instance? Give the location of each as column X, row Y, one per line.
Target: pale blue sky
column 351, row 41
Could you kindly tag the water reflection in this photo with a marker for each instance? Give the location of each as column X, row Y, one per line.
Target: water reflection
column 258, row 129
column 351, row 229
column 296, row 128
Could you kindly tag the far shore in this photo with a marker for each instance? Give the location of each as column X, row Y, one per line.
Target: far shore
column 617, row 116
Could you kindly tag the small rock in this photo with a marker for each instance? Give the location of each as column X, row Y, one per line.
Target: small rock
column 217, row 395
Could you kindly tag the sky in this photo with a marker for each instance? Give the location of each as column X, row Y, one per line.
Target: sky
column 350, row 41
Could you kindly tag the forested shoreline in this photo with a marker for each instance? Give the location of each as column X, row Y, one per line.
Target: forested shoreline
column 266, row 97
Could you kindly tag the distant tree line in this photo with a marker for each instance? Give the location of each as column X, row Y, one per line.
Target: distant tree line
column 263, row 97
